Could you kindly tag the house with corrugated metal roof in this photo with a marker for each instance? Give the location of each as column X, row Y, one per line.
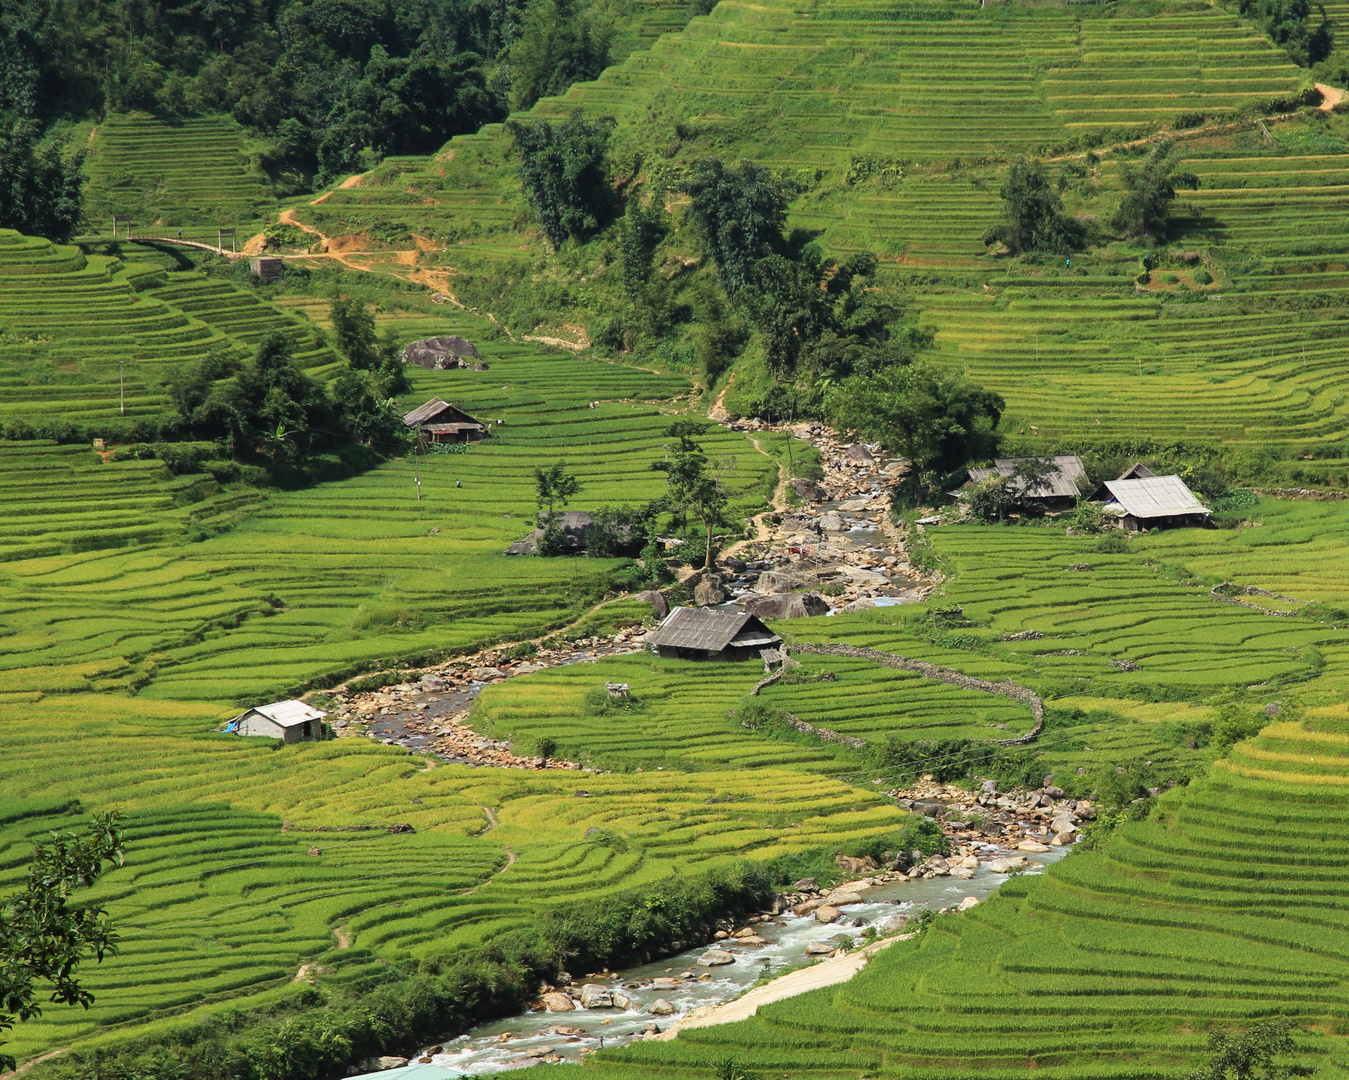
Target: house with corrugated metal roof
column 291, row 721
column 1151, row 502
column 709, row 634
column 447, row 423
column 1058, row 491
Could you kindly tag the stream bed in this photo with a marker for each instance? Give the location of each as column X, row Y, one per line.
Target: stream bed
column 534, row 1037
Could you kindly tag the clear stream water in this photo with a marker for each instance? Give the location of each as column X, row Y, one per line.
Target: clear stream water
column 523, row 1039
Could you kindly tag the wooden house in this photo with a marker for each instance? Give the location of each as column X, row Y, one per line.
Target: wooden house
column 291, row 721
column 447, row 423
column 707, row 634
column 1059, row 490
column 1151, row 502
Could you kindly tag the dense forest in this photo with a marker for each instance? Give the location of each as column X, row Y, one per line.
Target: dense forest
column 334, row 85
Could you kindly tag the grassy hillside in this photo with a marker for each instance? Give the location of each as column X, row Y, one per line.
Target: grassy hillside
column 899, row 126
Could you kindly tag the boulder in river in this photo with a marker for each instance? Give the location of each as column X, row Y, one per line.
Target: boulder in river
column 664, row 983
column 894, row 924
column 622, row 1001
column 819, row 948
column 558, row 1002
column 792, row 605
column 807, row 490
column 842, row 897
column 715, row 958
column 661, row 1007
column 707, row 593
column 568, row 1030
column 1006, row 866
column 826, row 913
column 391, row 1062
column 832, row 522
column 595, row 996
column 1033, row 846
column 859, row 454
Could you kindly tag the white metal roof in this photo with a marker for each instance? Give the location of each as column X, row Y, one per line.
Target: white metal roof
column 1152, row 497
column 286, row 713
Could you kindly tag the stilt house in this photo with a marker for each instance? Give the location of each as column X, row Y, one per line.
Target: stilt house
column 447, row 423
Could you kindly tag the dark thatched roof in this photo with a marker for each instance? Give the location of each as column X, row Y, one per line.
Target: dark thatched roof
column 442, row 414
column 711, row 631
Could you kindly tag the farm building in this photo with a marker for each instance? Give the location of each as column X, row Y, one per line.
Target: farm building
column 576, row 532
column 447, row 423
column 1058, row 492
column 706, row 634
column 1151, row 502
column 292, row 721
column 267, row 268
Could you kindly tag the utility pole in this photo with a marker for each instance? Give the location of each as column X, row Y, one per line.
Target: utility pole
column 121, row 379
column 416, row 471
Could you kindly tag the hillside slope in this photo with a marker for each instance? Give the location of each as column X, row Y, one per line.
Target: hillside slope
column 899, row 125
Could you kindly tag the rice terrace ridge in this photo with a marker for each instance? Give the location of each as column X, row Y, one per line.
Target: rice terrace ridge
column 679, row 538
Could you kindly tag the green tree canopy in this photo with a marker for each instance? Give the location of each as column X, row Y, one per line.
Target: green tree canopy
column 554, row 485
column 1033, row 218
column 938, row 419
column 740, row 211
column 1251, row 1054
column 565, row 173
column 1149, row 191
column 694, row 484
column 561, row 42
column 40, row 180
column 44, row 937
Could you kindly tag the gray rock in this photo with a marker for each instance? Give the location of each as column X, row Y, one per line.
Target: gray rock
column 832, row 522
column 659, row 605
column 622, row 1001
column 858, row 454
column 707, row 593
column 842, row 897
column 595, row 996
column 558, row 1002
column 862, row 604
column 440, row 353
column 715, row 958
column 895, row 924
column 792, row 605
column 391, row 1062
column 663, row 983
column 819, row 948
column 661, row 1007
column 806, row 884
column 808, row 490
column 826, row 913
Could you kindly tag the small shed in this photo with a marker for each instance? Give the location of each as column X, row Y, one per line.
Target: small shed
column 1058, row 492
column 291, row 721
column 1152, row 502
column 447, row 423
column 707, row 634
column 266, row 268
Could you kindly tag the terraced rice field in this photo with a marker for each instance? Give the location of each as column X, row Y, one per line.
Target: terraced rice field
column 198, row 173
column 82, row 336
column 244, row 862
column 946, row 99
column 1225, row 908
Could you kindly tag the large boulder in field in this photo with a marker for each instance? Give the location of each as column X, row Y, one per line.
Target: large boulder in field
column 707, row 593
column 660, row 607
column 441, row 353
column 794, row 605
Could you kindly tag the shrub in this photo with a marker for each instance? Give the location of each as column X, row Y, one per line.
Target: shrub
column 1203, row 277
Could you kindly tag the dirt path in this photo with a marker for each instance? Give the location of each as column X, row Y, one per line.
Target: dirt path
column 492, row 822
column 827, row 973
column 343, row 939
column 1330, row 96
column 40, row 1059
column 1191, row 133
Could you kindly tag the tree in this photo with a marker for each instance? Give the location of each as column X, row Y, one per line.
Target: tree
column 642, row 230
column 560, row 43
column 740, row 212
column 1287, row 22
column 39, row 181
column 998, row 496
column 354, row 328
column 554, row 485
column 1149, row 191
column 1033, row 218
column 369, row 416
column 1249, row 1055
column 43, row 937
column 938, row 419
column 565, row 173
column 694, row 486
